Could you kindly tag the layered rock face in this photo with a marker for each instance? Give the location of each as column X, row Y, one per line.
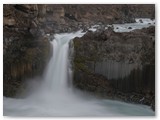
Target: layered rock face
column 25, row 50
column 117, row 65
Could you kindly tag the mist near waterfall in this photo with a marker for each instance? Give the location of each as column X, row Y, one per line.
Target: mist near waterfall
column 55, row 96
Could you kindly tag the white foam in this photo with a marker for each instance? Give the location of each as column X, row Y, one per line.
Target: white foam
column 146, row 22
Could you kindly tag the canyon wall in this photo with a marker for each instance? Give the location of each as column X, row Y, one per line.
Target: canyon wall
column 26, row 50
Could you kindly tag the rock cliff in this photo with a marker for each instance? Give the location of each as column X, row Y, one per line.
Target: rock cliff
column 25, row 53
column 117, row 65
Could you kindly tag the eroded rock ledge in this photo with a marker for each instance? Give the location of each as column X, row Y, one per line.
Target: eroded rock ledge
column 117, row 65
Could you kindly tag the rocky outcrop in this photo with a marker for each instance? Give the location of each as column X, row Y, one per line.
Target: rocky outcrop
column 26, row 50
column 108, row 13
column 117, row 65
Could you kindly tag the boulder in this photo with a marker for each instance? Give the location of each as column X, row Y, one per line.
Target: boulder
column 140, row 21
column 129, row 27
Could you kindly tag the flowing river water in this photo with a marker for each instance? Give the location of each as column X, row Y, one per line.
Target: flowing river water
column 55, row 96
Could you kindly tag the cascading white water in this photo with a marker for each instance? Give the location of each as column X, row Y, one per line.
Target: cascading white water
column 55, row 98
column 56, row 75
column 56, row 82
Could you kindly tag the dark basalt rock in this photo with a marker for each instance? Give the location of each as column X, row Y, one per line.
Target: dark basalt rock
column 129, row 27
column 140, row 21
column 126, row 62
column 26, row 49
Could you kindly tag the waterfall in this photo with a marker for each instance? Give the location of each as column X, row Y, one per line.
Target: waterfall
column 58, row 69
column 55, row 97
column 58, row 73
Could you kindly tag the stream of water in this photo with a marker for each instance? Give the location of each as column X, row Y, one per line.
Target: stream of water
column 56, row 97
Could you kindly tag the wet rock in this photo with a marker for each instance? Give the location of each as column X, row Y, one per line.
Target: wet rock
column 140, row 21
column 129, row 27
